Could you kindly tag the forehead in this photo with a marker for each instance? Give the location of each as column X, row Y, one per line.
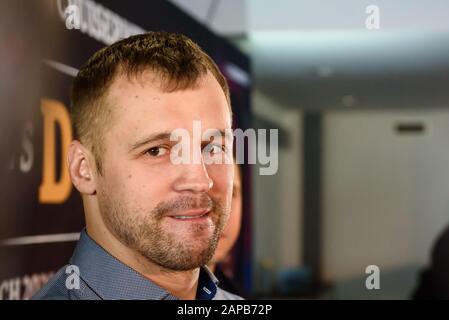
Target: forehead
column 140, row 106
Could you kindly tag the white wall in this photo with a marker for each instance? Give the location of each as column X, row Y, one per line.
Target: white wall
column 229, row 17
column 252, row 16
column 278, row 198
column 385, row 196
column 306, row 15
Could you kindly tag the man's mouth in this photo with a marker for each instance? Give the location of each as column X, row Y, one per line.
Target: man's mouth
column 191, row 214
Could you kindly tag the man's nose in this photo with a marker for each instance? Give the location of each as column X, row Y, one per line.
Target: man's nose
column 193, row 178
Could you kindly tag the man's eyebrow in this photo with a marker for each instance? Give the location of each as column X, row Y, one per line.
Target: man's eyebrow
column 150, row 138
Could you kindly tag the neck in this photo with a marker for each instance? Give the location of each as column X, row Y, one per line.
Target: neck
column 181, row 284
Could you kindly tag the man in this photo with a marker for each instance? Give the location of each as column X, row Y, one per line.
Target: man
column 151, row 224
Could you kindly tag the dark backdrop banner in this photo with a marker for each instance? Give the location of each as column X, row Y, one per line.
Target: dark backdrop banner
column 41, row 213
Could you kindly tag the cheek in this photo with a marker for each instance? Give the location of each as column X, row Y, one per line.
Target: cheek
column 236, row 209
column 133, row 184
column 222, row 176
column 144, row 187
column 233, row 226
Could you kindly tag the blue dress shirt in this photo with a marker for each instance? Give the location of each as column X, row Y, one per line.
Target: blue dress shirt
column 100, row 276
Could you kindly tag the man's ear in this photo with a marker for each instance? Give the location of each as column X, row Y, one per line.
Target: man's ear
column 81, row 168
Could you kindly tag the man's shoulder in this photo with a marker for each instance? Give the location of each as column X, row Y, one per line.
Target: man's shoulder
column 55, row 288
column 59, row 288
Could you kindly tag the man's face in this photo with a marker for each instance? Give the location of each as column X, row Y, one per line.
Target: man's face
column 172, row 214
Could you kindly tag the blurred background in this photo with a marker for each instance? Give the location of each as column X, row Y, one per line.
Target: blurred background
column 357, row 89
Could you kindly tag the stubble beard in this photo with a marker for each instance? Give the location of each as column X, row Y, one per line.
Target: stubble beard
column 143, row 232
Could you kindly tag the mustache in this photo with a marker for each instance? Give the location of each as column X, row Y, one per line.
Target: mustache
column 204, row 201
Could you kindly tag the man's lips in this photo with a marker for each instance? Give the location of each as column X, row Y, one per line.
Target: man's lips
column 190, row 214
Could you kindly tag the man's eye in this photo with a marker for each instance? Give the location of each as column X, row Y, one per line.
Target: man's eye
column 156, row 151
column 213, row 149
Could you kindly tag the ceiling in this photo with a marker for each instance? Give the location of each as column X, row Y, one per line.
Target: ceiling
column 310, row 54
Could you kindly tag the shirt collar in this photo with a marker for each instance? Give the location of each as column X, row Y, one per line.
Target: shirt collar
column 207, row 285
column 112, row 280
